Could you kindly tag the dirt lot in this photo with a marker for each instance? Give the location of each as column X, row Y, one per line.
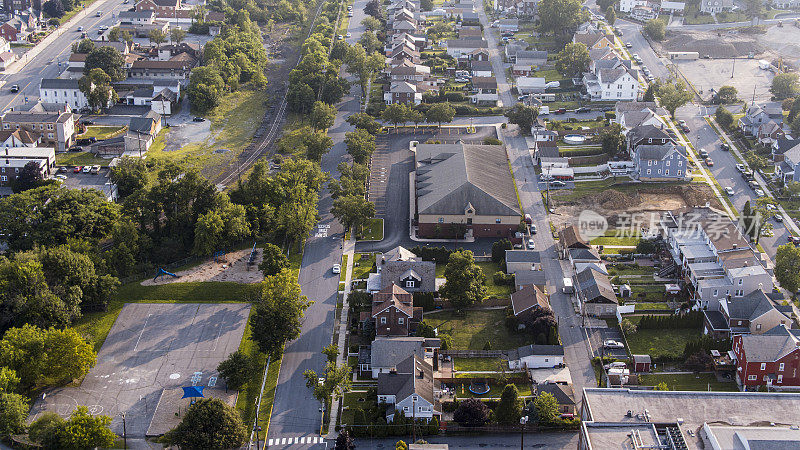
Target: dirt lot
column 705, row 74
column 231, row 267
column 628, row 199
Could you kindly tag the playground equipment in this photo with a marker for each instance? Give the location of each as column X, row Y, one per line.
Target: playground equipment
column 251, row 261
column 220, row 256
column 479, row 387
column 162, row 272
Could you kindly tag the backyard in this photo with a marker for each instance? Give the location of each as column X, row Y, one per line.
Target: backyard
column 363, row 265
column 661, row 344
column 688, row 382
column 472, row 329
column 488, row 268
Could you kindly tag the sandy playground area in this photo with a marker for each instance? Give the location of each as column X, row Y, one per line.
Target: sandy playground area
column 231, row 267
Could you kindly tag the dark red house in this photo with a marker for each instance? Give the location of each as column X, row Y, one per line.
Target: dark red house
column 772, row 358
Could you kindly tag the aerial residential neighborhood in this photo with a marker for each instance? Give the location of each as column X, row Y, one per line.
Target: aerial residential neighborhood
column 410, row 224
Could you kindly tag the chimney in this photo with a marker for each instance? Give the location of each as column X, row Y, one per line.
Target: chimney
column 435, row 359
column 734, row 246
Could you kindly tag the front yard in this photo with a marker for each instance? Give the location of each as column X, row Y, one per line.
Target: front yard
column 472, row 329
column 80, row 159
column 372, row 230
column 363, row 265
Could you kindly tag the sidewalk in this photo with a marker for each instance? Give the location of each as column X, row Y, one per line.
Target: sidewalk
column 788, row 221
column 341, row 360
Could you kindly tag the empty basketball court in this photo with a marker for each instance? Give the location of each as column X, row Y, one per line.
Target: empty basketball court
column 152, row 347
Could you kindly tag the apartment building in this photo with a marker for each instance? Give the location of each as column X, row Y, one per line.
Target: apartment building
column 57, row 128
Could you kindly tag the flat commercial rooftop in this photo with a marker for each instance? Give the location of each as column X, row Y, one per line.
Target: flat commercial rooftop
column 153, row 347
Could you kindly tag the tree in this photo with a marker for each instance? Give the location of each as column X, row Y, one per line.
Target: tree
column 352, row 211
column 656, row 29
column 84, row 46
column 13, row 414
column 360, row 145
column 363, row 64
column 674, row 95
column 754, row 8
column 795, row 125
column 395, row 113
column 764, row 209
column 440, row 113
column 29, row 177
column 108, row 59
column 546, row 407
column 794, row 111
column 130, row 175
column 331, row 352
column 364, row 121
column 237, row 369
column 371, row 24
column 205, row 88
column 724, row 117
column 416, row 117
column 369, row 41
column 612, row 139
column 157, row 37
column 792, row 189
column 785, row 85
column 523, row 116
column 471, row 413
column 499, row 250
column 334, row 384
column 400, row 445
column 322, row 116
column 509, row 410
column 373, row 9
column 210, row 424
column 465, row 283
column 274, row 260
column 278, row 312
column 561, row 18
column 426, row 5
column 650, row 93
column 662, row 386
column 317, row 144
column 44, row 356
column 177, row 35
column 611, row 16
column 44, row 429
column 787, row 267
column 53, row 8
column 84, row 430
column 223, row 224
column 727, row 94
column 746, row 218
column 344, row 441
column 96, row 86
column 8, row 380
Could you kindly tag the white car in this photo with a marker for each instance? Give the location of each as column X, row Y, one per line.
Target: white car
column 337, row 268
column 348, row 35
column 87, row 169
column 616, row 364
column 759, row 193
column 610, row 343
column 61, row 176
column 531, row 244
column 729, row 190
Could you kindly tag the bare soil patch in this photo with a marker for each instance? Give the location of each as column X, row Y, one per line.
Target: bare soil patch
column 231, row 267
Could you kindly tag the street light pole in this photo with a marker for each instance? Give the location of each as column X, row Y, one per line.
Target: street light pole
column 522, row 421
column 124, row 431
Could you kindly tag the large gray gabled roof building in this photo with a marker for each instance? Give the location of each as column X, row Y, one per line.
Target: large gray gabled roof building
column 462, row 188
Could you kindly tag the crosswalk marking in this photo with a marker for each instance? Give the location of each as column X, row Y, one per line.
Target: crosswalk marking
column 295, row 440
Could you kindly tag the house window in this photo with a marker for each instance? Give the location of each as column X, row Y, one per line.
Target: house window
column 716, row 292
column 405, row 408
column 416, row 399
column 741, row 280
column 668, row 162
column 648, row 171
column 780, row 367
column 763, row 366
column 752, row 378
column 3, row 178
column 496, row 220
column 441, row 219
column 780, row 378
column 649, row 163
column 400, row 320
column 383, row 319
column 758, row 326
column 410, row 283
column 766, row 377
column 739, row 323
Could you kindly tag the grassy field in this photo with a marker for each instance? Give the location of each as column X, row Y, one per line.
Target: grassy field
column 495, row 390
column 667, row 343
column 102, row 132
column 609, row 240
column 549, row 75
column 477, row 364
column 586, row 188
column 688, row 382
column 248, row 395
column 371, row 231
column 362, row 265
column 233, row 124
column 471, row 330
column 80, row 159
column 492, row 290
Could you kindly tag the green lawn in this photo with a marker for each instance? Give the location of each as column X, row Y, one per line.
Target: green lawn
column 371, row 231
column 495, row 390
column 549, row 75
column 362, row 265
column 343, row 272
column 627, row 270
column 646, row 306
column 492, row 290
column 688, row 382
column 102, row 132
column 477, row 364
column 608, row 240
column 472, row 329
column 666, row 343
column 80, row 159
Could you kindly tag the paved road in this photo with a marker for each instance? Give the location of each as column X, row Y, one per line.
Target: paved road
column 531, row 440
column 632, row 32
column 296, row 419
column 503, row 86
column 45, row 64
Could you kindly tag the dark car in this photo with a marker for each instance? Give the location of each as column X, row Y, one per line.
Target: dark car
column 15, row 88
column 76, row 148
column 86, row 141
column 561, row 111
column 87, row 122
column 685, row 128
column 584, row 109
column 198, row 119
column 725, row 146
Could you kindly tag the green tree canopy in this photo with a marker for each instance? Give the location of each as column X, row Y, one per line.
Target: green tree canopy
column 724, row 117
column 13, row 414
column 509, row 410
column 573, row 60
column 546, row 407
column 612, row 139
column 360, row 145
column 396, row 113
column 656, row 29
column 278, row 313
column 440, row 113
column 237, row 369
column 561, row 18
column 352, row 210
column 727, row 94
column 785, row 85
column 465, row 283
column 209, row 424
column 108, row 59
column 787, row 267
column 84, row 430
column 524, row 116
column 274, row 260
column 674, row 95
column 322, row 116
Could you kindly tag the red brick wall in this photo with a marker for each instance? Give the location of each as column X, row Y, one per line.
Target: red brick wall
column 428, row 230
column 790, row 372
column 391, row 327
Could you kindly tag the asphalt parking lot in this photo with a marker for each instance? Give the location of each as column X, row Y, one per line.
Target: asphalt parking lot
column 153, row 348
column 598, row 335
column 99, row 181
column 744, row 75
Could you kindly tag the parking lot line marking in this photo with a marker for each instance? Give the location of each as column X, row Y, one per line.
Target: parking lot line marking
column 283, row 441
column 303, row 440
column 270, row 443
column 142, row 332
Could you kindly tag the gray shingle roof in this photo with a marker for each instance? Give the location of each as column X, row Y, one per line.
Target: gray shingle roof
column 390, row 351
column 563, row 394
column 530, row 350
column 770, row 346
column 596, row 287
column 425, row 271
column 59, row 83
column 749, row 307
column 414, row 376
column 467, row 43
column 451, row 176
column 523, row 256
column 658, row 152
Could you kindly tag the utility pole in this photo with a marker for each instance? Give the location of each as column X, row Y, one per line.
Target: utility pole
column 734, row 66
column 522, row 421
column 124, row 431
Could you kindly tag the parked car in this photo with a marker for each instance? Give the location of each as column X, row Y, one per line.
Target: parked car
column 533, row 229
column 348, row 35
column 461, row 80
column 86, row 169
column 561, row 111
column 336, row 268
column 703, row 153
column 740, row 168
column 709, row 162
column 79, row 29
column 616, row 364
column 583, row 109
column 61, row 176
column 87, row 122
column 95, row 170
column 685, row 128
column 759, row 193
column 725, row 146
column 62, row 169
column 531, row 244
column 77, row 169
column 198, row 119
column 729, row 190
column 610, row 343
column 76, row 148
column 794, row 240
column 14, row 88
column 778, row 218
column 557, row 183
column 98, row 13
column 628, row 45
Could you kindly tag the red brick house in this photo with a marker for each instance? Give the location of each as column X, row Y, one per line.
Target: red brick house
column 769, row 359
column 393, row 312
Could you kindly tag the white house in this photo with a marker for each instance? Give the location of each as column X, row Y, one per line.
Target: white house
column 672, row 7
column 531, row 85
column 612, row 79
column 536, row 357
column 715, row 6
column 627, row 6
column 458, row 47
column 411, row 388
column 57, row 90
